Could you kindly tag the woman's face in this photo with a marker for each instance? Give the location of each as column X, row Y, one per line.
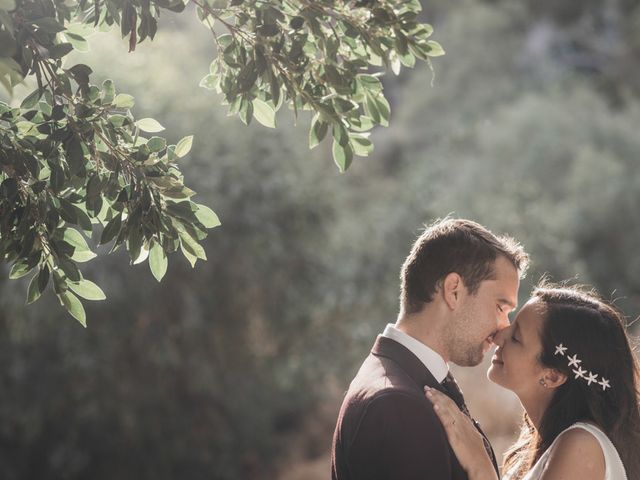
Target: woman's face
column 515, row 364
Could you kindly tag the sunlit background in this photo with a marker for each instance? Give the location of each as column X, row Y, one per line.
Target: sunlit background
column 236, row 369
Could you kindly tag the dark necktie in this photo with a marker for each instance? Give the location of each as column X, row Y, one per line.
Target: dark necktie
column 452, row 389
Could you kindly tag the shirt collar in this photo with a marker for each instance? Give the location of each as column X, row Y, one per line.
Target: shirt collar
column 432, row 360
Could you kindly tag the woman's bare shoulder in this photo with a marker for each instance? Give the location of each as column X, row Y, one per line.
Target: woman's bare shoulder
column 576, row 455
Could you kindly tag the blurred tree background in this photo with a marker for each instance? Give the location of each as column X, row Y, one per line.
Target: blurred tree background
column 236, row 369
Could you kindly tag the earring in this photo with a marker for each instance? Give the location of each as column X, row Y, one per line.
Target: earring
column 543, row 383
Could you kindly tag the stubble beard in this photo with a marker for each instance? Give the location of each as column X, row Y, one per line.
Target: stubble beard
column 466, row 355
column 464, row 351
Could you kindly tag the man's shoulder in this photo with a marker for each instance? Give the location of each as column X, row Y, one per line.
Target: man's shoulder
column 382, row 380
column 386, row 423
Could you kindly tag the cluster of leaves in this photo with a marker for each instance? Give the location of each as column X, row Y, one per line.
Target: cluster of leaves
column 73, row 158
column 314, row 55
column 69, row 166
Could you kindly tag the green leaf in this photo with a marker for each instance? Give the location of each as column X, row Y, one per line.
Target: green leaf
column 26, row 128
column 264, row 113
column 60, row 50
column 206, row 216
column 371, row 108
column 75, row 239
column 19, row 269
column 144, row 254
column 78, row 42
column 81, row 73
column 191, row 258
column 117, row 120
column 192, row 245
column 33, row 292
column 83, row 220
column 87, row 290
column 363, row 124
column 395, row 62
column 75, row 155
column 209, row 82
column 48, row 24
column 182, row 210
column 149, row 125
column 43, row 278
column 156, row 144
column 362, row 146
column 370, row 82
column 157, row 261
column 123, row 100
column 340, row 134
column 108, row 90
column 246, row 111
column 111, row 229
column 342, row 155
column 318, row 131
column 383, row 107
column 74, row 307
column 435, row 49
column 184, row 146
column 69, row 268
column 82, row 256
column 32, row 99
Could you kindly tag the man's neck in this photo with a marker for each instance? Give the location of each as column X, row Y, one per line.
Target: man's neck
column 424, row 329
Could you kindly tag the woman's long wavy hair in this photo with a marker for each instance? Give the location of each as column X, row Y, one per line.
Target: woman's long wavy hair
column 595, row 332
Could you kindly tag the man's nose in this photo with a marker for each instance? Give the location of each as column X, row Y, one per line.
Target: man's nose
column 503, row 322
column 500, row 336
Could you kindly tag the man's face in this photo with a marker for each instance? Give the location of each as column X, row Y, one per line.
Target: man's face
column 481, row 315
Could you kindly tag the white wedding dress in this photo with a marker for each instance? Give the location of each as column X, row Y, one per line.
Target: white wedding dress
column 614, row 467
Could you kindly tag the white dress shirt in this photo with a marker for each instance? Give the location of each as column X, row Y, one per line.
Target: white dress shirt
column 431, row 359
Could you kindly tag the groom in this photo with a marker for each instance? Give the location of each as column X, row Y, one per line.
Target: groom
column 458, row 285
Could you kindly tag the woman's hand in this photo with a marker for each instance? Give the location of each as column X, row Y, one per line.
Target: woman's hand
column 464, row 438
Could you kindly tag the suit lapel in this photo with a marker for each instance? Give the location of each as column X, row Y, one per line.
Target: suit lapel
column 412, row 366
column 420, row 374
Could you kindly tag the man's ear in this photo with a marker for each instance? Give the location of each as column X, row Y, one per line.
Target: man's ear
column 451, row 289
column 553, row 378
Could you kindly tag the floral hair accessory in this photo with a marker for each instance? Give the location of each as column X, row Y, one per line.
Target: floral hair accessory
column 579, row 372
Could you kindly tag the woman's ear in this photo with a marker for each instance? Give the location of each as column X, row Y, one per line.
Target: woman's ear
column 451, row 290
column 553, row 378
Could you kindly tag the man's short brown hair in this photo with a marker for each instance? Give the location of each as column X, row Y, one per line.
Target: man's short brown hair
column 454, row 245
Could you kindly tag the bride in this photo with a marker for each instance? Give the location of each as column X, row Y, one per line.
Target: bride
column 568, row 359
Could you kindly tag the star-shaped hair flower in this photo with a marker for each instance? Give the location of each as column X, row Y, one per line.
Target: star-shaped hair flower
column 560, row 349
column 605, row 384
column 579, row 372
column 592, row 378
column 574, row 361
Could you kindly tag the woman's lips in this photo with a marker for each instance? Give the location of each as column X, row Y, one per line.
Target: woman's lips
column 496, row 361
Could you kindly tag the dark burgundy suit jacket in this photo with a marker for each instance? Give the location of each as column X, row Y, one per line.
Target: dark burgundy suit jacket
column 387, row 429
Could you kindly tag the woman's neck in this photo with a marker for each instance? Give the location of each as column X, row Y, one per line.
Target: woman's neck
column 535, row 406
